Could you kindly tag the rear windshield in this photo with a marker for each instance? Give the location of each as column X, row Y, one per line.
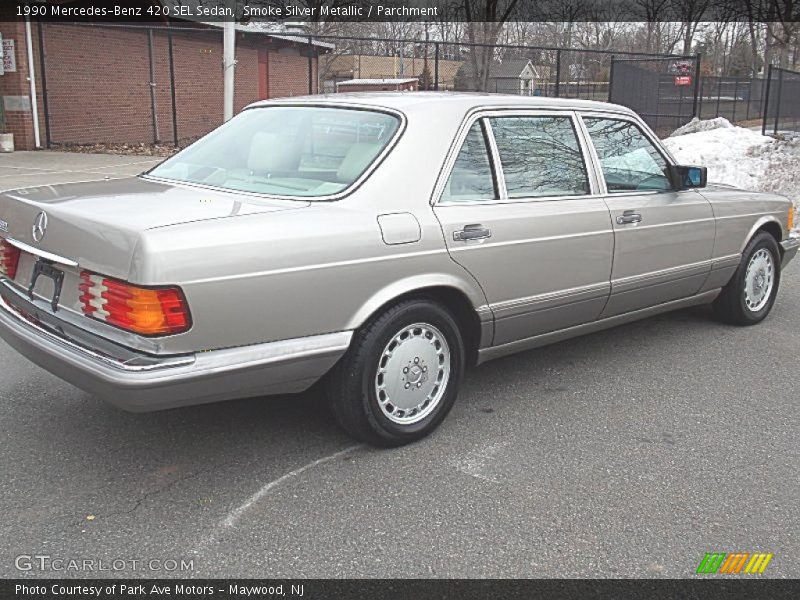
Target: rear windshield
column 285, row 151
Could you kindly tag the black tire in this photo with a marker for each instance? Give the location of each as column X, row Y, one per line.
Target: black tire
column 351, row 383
column 731, row 305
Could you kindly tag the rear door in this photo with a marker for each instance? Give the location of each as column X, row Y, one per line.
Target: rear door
column 521, row 211
column 664, row 238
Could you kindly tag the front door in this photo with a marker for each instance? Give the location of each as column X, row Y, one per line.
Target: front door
column 519, row 212
column 663, row 238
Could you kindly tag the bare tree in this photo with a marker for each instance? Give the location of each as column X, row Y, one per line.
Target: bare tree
column 652, row 13
column 691, row 14
column 485, row 19
column 783, row 25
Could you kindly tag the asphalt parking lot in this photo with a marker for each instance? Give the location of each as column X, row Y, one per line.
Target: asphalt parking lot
column 627, row 453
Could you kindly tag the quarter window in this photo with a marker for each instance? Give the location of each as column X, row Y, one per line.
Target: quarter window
column 540, row 156
column 471, row 177
column 629, row 160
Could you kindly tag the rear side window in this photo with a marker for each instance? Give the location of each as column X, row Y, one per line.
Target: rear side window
column 471, row 178
column 540, row 156
column 629, row 160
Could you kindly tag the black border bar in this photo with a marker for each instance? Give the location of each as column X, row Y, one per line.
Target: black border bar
column 405, row 589
column 145, row 11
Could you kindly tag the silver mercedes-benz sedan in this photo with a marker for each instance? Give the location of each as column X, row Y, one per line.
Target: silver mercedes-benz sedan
column 383, row 242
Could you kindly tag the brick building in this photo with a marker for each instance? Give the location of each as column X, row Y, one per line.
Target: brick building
column 404, row 84
column 336, row 67
column 94, row 81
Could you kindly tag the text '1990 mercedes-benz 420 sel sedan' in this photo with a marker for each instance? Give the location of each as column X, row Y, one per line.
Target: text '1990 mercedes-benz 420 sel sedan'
column 383, row 242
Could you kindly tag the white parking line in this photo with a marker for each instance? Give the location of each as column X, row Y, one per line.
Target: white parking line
column 137, row 162
column 236, row 514
column 83, row 169
column 31, row 169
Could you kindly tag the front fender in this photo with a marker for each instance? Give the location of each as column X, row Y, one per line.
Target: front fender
column 758, row 225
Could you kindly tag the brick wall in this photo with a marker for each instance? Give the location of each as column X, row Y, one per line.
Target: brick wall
column 288, row 73
column 98, row 82
column 20, row 123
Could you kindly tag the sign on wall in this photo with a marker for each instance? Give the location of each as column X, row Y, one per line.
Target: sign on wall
column 9, row 57
column 681, row 67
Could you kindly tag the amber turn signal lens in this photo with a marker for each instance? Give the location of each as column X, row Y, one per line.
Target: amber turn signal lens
column 146, row 311
column 790, row 220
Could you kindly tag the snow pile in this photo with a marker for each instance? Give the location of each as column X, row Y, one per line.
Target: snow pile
column 739, row 157
column 696, row 125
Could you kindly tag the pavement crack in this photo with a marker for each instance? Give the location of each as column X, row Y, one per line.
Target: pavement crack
column 137, row 502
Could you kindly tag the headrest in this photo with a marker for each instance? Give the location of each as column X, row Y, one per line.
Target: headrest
column 271, row 153
column 356, row 160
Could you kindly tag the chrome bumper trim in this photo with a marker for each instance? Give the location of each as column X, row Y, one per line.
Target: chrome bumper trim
column 791, row 243
column 143, row 382
column 42, row 253
column 135, row 362
column 790, row 246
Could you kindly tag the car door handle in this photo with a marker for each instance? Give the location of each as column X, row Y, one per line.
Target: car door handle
column 629, row 217
column 472, row 232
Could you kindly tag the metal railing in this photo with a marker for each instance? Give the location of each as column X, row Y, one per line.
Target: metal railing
column 738, row 99
column 782, row 102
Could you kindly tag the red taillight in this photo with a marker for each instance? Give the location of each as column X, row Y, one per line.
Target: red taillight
column 147, row 311
column 9, row 259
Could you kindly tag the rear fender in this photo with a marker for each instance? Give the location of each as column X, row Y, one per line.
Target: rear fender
column 419, row 283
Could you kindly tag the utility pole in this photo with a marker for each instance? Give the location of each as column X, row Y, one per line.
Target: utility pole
column 228, row 60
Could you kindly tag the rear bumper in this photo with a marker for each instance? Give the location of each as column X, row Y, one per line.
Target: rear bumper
column 140, row 382
column 790, row 246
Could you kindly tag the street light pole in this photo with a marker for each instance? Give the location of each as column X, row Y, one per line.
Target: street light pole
column 228, row 61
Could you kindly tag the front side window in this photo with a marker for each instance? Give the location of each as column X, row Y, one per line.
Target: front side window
column 540, row 156
column 471, row 178
column 285, row 151
column 629, row 160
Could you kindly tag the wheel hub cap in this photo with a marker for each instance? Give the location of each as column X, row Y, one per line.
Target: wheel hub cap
column 759, row 280
column 413, row 372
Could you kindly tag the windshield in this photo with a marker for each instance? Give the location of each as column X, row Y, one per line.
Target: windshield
column 285, row 151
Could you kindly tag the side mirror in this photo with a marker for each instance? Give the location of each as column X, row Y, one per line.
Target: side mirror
column 684, row 177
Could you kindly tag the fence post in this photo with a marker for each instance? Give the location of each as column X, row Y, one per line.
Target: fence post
column 735, row 96
column 310, row 66
column 696, row 85
column 48, row 140
column 749, row 96
column 778, row 101
column 719, row 94
column 766, row 101
column 172, row 89
column 558, row 74
column 699, row 114
column 436, row 66
column 611, row 78
column 152, row 85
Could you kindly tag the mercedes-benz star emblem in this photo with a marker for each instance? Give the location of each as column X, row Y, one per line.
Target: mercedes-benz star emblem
column 39, row 226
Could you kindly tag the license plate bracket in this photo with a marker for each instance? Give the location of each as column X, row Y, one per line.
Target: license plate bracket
column 46, row 268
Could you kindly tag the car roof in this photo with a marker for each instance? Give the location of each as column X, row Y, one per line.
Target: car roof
column 454, row 101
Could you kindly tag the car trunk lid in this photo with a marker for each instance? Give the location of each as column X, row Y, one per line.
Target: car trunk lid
column 98, row 224
column 64, row 229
